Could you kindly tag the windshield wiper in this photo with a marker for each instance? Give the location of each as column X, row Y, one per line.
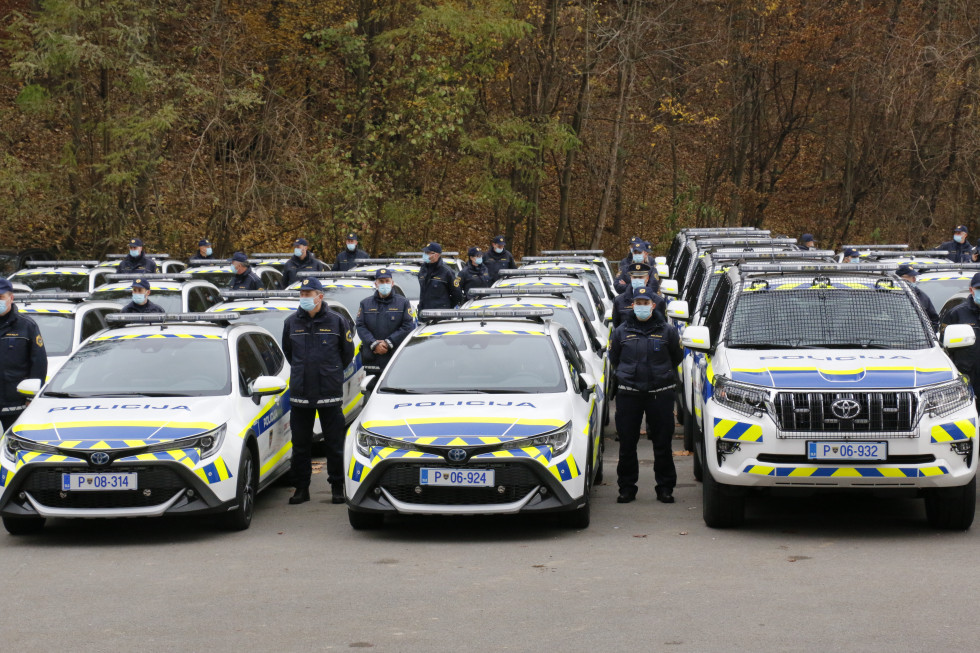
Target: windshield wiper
column 63, row 395
column 402, row 391
column 144, row 394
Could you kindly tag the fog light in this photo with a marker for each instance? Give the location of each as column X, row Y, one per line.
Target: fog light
column 726, row 447
column 500, row 489
column 964, row 448
column 418, row 489
column 544, row 491
column 22, row 496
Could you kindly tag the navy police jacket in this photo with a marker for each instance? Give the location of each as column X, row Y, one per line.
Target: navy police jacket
column 22, row 356
column 496, row 262
column 645, row 354
column 438, row 286
column 141, row 263
column 296, row 264
column 474, row 277
column 383, row 318
column 245, row 281
column 966, row 359
column 927, row 306
column 958, row 252
column 147, row 307
column 346, row 260
column 318, row 349
column 623, row 304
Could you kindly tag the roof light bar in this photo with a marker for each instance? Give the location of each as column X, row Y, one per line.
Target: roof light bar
column 527, row 272
column 763, row 256
column 260, row 294
column 522, row 291
column 416, row 254
column 704, row 243
column 573, row 252
column 721, row 233
column 273, row 255
column 41, row 296
column 557, row 259
column 816, row 267
column 161, row 318
column 118, row 257
column 60, row 264
column 939, row 267
column 197, row 262
column 694, row 231
column 394, row 260
column 907, row 254
column 875, row 247
column 484, row 313
column 156, row 276
column 326, row 274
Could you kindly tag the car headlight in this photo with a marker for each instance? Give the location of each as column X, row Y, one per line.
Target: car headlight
column 13, row 444
column 945, row 398
column 365, row 441
column 208, row 443
column 558, row 440
column 740, row 397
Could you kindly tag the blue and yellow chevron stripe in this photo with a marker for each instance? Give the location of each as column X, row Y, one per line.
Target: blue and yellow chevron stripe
column 963, row 429
column 153, row 336
column 111, row 434
column 728, row 429
column 215, row 472
column 809, row 471
column 868, row 377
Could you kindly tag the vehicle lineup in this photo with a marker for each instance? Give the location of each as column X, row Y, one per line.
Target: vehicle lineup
column 801, row 374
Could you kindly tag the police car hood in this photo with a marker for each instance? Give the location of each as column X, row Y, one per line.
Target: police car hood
column 821, row 369
column 461, row 420
column 118, row 423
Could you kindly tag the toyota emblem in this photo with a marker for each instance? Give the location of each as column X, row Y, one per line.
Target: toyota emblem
column 845, row 408
column 99, row 458
column 457, row 455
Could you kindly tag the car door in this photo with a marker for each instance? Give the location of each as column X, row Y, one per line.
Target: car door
column 354, row 373
column 586, row 408
column 714, row 320
column 275, row 420
column 250, row 367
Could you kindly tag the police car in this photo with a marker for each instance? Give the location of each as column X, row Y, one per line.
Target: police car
column 275, row 260
column 174, row 293
column 924, row 258
column 678, row 244
column 598, row 259
column 222, row 275
column 828, row 376
column 347, row 288
column 404, row 274
column 269, row 310
column 479, row 412
column 584, row 292
column 200, row 435
column 61, row 276
column 697, row 247
column 165, row 264
column 584, row 269
column 942, row 281
column 65, row 320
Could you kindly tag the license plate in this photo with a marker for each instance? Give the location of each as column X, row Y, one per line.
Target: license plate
column 456, row 477
column 847, row 450
column 98, row 482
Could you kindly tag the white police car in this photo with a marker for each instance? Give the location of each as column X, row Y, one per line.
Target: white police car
column 585, row 292
column 347, row 288
column 61, row 276
column 479, row 412
column 222, row 275
column 174, row 293
column 941, row 282
column 166, row 415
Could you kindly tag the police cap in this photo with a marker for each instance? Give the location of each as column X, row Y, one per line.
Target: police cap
column 634, row 241
column 240, row 257
column 311, row 283
column 851, row 253
column 352, row 236
column 975, row 281
column 141, row 283
column 639, row 269
column 433, row 247
column 643, row 295
column 962, row 228
column 474, row 251
column 805, row 238
column 135, row 242
column 499, row 240
column 204, row 242
column 383, row 273
column 301, row 241
column 5, row 286
column 907, row 271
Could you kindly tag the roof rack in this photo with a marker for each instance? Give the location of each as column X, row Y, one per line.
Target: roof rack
column 573, row 252
column 526, row 272
column 522, row 291
column 115, row 257
column 435, row 315
column 60, row 264
column 416, row 254
column 260, row 294
column 875, row 247
column 394, row 260
column 122, row 319
column 273, row 255
column 42, row 296
column 939, row 267
column 764, row 256
column 328, row 274
column 935, row 253
column 557, row 259
column 721, row 230
column 155, row 276
column 207, row 261
column 783, row 268
column 743, row 241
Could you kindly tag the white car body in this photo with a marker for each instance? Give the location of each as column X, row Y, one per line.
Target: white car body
column 172, row 296
column 587, row 271
column 222, row 276
column 588, row 298
column 86, row 319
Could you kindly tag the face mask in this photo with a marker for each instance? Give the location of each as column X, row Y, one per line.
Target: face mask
column 384, row 289
column 134, row 253
column 307, row 303
column 958, row 239
column 350, row 247
column 976, row 299
column 425, row 257
column 231, row 268
column 4, row 307
column 139, row 298
column 208, row 252
column 297, row 252
column 642, row 311
column 637, row 283
column 637, row 258
column 499, row 250
column 478, row 260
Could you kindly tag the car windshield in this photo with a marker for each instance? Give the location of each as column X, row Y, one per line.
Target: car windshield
column 842, row 312
column 54, row 282
column 475, row 362
column 579, row 293
column 220, row 278
column 57, row 329
column 271, row 320
column 168, row 300
column 159, row 367
column 940, row 290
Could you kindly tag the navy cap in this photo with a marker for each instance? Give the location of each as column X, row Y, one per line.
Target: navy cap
column 301, row 241
column 635, row 240
column 474, row 251
column 311, row 283
column 907, row 270
column 135, row 242
column 641, row 246
column 962, row 228
column 499, row 240
column 5, row 286
column 352, row 236
column 241, row 257
column 203, row 243
column 805, row 238
column 383, row 273
column 975, row 281
column 639, row 269
column 644, row 293
column 141, row 283
column 850, row 252
column 433, row 247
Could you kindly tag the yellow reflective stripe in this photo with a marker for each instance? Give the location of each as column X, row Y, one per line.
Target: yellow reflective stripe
column 274, row 460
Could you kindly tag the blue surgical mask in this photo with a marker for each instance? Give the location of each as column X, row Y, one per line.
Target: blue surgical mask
column 637, row 258
column 134, row 253
column 297, row 252
column 307, row 303
column 425, row 257
column 499, row 250
column 231, row 268
column 642, row 311
column 636, row 283
column 976, row 299
column 958, row 239
column 4, row 307
column 384, row 289
column 478, row 260
column 139, row 298
column 208, row 252
column 351, row 247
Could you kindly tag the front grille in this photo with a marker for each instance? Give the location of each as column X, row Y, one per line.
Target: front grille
column 44, row 484
column 400, row 481
column 878, row 414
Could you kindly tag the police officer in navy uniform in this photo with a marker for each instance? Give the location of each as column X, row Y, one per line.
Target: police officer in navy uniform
column 302, row 260
column 638, row 254
column 319, row 345
column 640, row 277
column 851, row 255
column 645, row 352
column 438, row 285
column 807, row 241
column 347, row 258
column 498, row 258
column 384, row 320
column 908, row 273
column 22, row 355
column 475, row 274
column 204, row 251
column 141, row 299
column 958, row 250
column 136, row 261
column 244, row 278
column 967, row 359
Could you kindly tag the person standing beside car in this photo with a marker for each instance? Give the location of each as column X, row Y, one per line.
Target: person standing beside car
column 22, row 355
column 319, row 346
column 475, row 274
column 141, row 299
column 136, row 261
column 244, row 278
column 347, row 257
column 204, row 251
column 384, row 320
column 958, row 250
column 302, row 260
column 438, row 285
column 967, row 359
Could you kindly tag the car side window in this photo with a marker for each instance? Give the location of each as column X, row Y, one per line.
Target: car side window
column 270, row 352
column 250, row 365
column 716, row 313
column 576, row 366
column 589, row 330
column 195, row 301
column 342, row 312
column 91, row 323
column 697, row 279
column 211, row 297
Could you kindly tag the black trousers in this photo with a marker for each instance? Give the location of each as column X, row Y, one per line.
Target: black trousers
column 659, row 410
column 332, row 423
column 7, row 419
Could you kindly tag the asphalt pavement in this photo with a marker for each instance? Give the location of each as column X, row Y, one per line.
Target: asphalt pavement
column 838, row 573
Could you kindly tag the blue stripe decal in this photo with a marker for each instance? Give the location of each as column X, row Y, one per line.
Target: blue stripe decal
column 109, row 433
column 444, row 432
column 824, row 380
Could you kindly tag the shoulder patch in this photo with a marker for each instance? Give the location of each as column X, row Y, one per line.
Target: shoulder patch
column 39, row 340
column 350, row 338
column 456, row 282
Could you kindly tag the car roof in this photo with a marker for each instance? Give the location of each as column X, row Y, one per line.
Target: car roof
column 340, row 283
column 155, row 285
column 479, row 326
column 397, row 267
column 35, row 272
column 169, row 330
column 543, row 280
column 527, row 301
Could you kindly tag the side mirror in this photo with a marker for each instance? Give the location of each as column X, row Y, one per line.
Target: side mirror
column 696, row 337
column 607, row 318
column 669, row 287
column 660, row 260
column 662, row 271
column 368, row 383
column 954, row 337
column 265, row 386
column 678, row 310
column 586, row 383
column 29, row 387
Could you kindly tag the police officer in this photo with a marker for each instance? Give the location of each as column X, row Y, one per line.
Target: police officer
column 498, row 258
column 347, row 258
column 141, row 299
column 636, row 255
column 641, row 256
column 958, row 250
column 204, row 251
column 137, row 261
column 438, row 285
column 807, row 241
column 851, row 255
column 967, row 359
column 244, row 278
column 319, row 346
column 302, row 259
column 22, row 355
column 640, row 277
column 384, row 320
column 645, row 352
column 909, row 274
column 475, row 274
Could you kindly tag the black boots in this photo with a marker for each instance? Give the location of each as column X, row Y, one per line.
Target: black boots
column 301, row 495
column 665, row 495
column 337, row 493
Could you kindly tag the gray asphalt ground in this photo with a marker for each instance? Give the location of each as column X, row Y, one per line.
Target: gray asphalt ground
column 839, row 573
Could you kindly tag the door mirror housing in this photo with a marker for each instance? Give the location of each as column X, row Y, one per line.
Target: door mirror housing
column 368, row 383
column 954, row 337
column 662, row 271
column 29, row 387
column 669, row 287
column 678, row 310
column 696, row 337
column 265, row 386
column 586, row 384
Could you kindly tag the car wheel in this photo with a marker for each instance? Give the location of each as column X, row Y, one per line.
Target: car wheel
column 240, row 518
column 696, row 467
column 951, row 509
column 23, row 525
column 579, row 518
column 365, row 521
column 688, row 431
column 722, row 507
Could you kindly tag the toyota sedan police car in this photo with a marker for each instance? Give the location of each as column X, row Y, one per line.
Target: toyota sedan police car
column 174, row 293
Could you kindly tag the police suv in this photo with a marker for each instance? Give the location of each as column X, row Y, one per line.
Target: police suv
column 686, row 235
column 201, row 434
column 479, row 412
column 174, row 293
column 941, row 281
column 828, row 376
column 347, row 288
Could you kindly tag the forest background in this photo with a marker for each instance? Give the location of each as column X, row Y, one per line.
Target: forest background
column 573, row 123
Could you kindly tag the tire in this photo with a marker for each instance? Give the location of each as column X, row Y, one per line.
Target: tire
column 365, row 521
column 240, row 518
column 688, row 431
column 721, row 506
column 696, row 467
column 579, row 518
column 23, row 525
column 951, row 509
